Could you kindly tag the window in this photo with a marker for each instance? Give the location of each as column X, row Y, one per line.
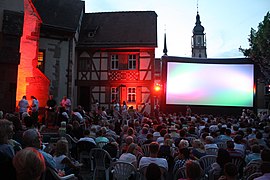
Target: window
column 114, row 62
column 114, row 94
column 132, row 61
column 199, row 40
column 41, row 60
column 131, row 95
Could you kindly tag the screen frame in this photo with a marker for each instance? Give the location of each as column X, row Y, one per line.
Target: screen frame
column 166, row 59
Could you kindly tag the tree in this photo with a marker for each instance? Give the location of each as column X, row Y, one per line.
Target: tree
column 259, row 51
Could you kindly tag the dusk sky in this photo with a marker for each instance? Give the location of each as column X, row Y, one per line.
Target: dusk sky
column 227, row 23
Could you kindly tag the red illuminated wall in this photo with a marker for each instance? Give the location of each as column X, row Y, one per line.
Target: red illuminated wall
column 31, row 81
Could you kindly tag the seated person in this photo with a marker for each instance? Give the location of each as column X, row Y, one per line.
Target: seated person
column 145, row 161
column 62, row 161
column 29, row 164
column 130, row 155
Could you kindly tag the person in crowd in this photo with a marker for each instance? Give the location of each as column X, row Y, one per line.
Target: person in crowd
column 77, row 130
column 29, row 164
column 66, row 103
column 230, row 172
column 62, row 116
column 34, row 110
column 87, row 137
column 6, row 150
column 149, row 138
column 153, row 172
column 209, row 142
column 232, row 151
column 101, row 136
column 198, row 149
column 51, row 108
column 63, row 162
column 223, row 157
column 193, row 170
column 182, row 158
column 254, row 155
column 265, row 166
column 153, row 148
column 23, row 106
column 130, row 155
column 32, row 138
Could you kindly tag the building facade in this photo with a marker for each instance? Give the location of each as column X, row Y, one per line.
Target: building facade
column 115, row 59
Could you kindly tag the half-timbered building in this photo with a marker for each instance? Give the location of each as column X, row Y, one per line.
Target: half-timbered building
column 115, row 59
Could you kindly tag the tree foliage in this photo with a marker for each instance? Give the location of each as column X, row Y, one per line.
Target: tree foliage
column 259, row 50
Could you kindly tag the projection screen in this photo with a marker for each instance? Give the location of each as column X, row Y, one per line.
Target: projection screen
column 210, row 84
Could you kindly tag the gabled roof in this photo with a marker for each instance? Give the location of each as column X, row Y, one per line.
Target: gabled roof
column 64, row 14
column 118, row 29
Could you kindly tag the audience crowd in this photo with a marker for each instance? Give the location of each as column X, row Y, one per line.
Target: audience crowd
column 161, row 144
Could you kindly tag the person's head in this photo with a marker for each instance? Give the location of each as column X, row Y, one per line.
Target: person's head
column 255, row 148
column 130, row 131
column 265, row 155
column 129, row 140
column 223, row 157
column 131, row 148
column 209, row 140
column 32, row 138
column 238, row 139
column 230, row 144
column 193, row 170
column 182, row 133
column 153, row 148
column 144, row 130
column 6, row 131
column 197, row 143
column 183, row 144
column 149, row 136
column 61, row 147
column 184, row 153
column 29, row 164
column 230, row 170
column 24, row 97
column 153, row 172
column 163, row 132
column 65, row 97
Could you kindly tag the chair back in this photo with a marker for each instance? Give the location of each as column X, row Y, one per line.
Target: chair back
column 222, row 145
column 254, row 175
column 71, row 141
column 180, row 173
column 252, row 167
column 101, row 161
column 240, row 164
column 206, row 162
column 83, row 150
column 123, row 170
column 211, row 151
column 145, row 149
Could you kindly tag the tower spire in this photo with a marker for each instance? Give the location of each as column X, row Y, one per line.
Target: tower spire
column 165, row 44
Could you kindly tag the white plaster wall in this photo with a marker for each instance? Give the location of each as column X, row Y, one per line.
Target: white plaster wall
column 50, row 61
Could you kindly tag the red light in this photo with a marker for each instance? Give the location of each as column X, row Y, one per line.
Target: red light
column 157, row 87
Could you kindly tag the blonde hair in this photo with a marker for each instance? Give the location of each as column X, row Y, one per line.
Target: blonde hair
column 29, row 164
column 5, row 130
column 61, row 147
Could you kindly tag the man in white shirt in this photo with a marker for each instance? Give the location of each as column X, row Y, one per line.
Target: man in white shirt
column 23, row 106
column 145, row 161
column 87, row 137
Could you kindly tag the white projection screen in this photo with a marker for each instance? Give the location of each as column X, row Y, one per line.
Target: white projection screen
column 210, row 84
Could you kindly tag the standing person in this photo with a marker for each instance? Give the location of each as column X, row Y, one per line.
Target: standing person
column 51, row 111
column 188, row 112
column 66, row 103
column 23, row 106
column 34, row 109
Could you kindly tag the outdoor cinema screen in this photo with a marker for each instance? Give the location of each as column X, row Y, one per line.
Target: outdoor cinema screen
column 210, row 84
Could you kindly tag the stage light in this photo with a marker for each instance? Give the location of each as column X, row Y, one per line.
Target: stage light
column 157, row 87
